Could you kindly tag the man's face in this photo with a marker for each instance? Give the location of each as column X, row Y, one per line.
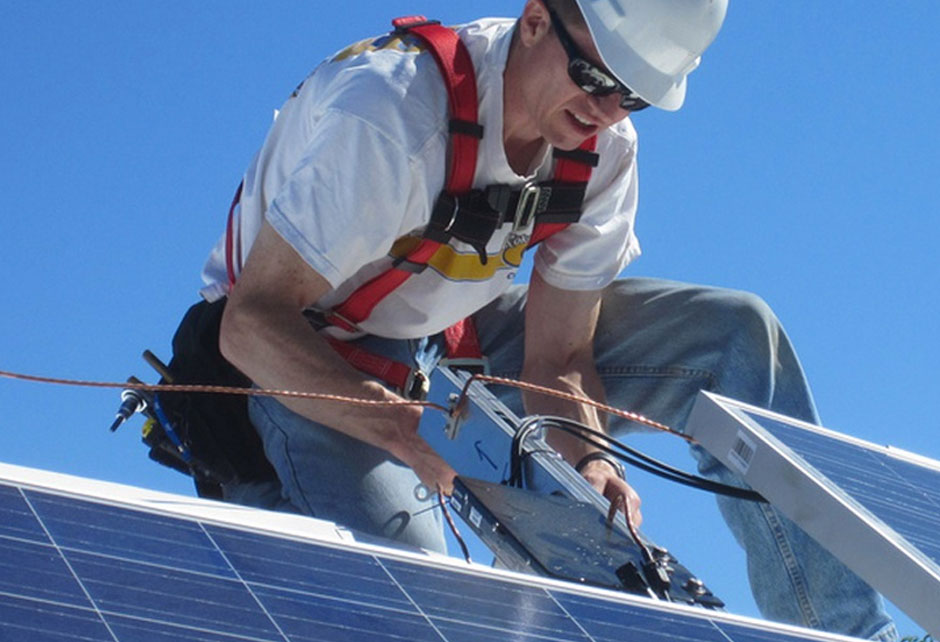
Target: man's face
column 563, row 112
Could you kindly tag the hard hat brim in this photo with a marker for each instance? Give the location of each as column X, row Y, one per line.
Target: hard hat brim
column 652, row 46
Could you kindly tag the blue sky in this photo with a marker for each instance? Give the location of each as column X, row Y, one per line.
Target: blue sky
column 804, row 167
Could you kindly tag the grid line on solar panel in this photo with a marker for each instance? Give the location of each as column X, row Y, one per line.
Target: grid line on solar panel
column 485, row 602
column 67, row 563
column 243, row 583
column 311, row 617
column 613, row 622
column 131, row 629
column 16, row 520
column 26, row 618
column 880, row 482
column 172, row 595
column 327, row 572
column 568, row 615
column 126, row 534
column 38, row 571
column 411, row 600
column 135, row 627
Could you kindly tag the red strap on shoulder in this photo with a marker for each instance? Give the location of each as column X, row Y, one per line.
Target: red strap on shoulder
column 360, row 303
column 230, row 238
column 460, row 79
column 567, row 170
column 456, row 67
column 570, row 170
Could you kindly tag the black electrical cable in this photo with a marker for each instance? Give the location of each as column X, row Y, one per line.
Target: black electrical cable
column 628, row 455
column 656, row 467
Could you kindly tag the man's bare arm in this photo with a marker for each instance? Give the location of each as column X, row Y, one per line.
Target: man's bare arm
column 559, row 354
column 264, row 334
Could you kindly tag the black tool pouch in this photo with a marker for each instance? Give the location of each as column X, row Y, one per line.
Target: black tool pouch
column 224, row 445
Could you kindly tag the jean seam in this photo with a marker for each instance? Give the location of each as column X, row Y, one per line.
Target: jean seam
column 797, row 580
column 295, row 484
column 678, row 372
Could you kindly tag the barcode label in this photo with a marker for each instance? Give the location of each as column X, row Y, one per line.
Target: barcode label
column 742, row 452
column 475, row 517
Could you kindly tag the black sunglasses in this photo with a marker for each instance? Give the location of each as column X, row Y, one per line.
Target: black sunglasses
column 588, row 76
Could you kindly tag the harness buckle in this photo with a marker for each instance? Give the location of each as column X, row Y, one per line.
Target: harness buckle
column 417, row 385
column 533, row 199
column 322, row 319
column 473, row 365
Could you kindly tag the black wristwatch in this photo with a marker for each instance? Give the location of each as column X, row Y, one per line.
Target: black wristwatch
column 600, row 454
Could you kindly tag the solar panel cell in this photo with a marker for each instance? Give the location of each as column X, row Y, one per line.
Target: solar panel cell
column 16, row 518
column 319, row 571
column 172, row 595
column 128, row 629
column 24, row 620
column 312, row 618
column 500, row 606
column 37, row 571
column 611, row 622
column 130, row 535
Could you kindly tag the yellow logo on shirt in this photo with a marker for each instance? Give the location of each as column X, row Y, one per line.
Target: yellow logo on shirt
column 388, row 41
column 466, row 266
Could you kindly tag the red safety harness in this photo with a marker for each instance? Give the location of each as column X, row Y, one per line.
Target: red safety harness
column 461, row 213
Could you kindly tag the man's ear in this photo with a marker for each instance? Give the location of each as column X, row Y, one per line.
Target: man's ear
column 534, row 23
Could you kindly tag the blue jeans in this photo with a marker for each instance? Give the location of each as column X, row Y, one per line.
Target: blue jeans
column 658, row 343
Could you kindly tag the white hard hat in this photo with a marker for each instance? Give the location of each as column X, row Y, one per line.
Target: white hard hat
column 652, row 45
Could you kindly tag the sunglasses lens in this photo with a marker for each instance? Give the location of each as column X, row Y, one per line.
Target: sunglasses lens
column 632, row 102
column 591, row 79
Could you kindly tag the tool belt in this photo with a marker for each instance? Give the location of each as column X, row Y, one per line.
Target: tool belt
column 214, row 429
column 224, row 446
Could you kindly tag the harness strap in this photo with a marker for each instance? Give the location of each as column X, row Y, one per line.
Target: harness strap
column 230, row 238
column 454, row 62
column 460, row 79
column 388, row 370
column 571, row 167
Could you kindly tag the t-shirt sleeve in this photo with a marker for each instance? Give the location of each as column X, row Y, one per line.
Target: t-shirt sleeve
column 346, row 199
column 589, row 254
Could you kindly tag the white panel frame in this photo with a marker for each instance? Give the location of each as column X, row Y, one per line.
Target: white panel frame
column 864, row 543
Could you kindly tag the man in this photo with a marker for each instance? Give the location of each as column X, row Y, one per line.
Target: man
column 348, row 177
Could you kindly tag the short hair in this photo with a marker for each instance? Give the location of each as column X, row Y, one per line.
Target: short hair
column 568, row 11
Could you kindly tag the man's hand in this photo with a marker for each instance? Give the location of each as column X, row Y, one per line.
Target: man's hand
column 413, row 450
column 606, row 480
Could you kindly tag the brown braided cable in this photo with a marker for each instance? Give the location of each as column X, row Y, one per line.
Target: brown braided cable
column 262, row 392
column 611, row 410
column 227, row 390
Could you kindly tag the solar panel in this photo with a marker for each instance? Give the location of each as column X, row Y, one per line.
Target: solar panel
column 874, row 507
column 103, row 562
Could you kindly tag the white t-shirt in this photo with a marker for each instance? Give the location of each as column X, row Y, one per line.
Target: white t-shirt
column 356, row 159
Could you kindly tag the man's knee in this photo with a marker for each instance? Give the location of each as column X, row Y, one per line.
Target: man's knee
column 737, row 312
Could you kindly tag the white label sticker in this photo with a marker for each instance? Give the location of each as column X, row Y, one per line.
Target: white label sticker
column 742, row 452
column 455, row 502
column 475, row 517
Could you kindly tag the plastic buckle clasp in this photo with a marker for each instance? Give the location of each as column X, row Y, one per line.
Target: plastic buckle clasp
column 527, row 208
column 417, row 385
